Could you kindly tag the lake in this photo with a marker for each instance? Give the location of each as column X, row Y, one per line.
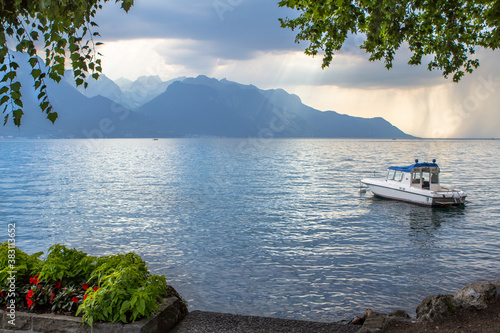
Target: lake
column 272, row 227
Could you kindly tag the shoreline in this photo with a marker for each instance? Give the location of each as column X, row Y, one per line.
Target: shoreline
column 474, row 306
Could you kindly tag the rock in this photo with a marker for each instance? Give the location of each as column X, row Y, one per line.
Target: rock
column 476, row 295
column 399, row 314
column 360, row 321
column 357, row 321
column 367, row 314
column 435, row 307
column 374, row 322
column 497, row 285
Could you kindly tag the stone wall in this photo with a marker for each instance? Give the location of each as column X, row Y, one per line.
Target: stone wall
column 171, row 311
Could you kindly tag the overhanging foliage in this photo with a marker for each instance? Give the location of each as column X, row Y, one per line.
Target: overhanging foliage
column 64, row 30
column 447, row 30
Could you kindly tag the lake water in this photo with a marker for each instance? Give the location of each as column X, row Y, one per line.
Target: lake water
column 261, row 227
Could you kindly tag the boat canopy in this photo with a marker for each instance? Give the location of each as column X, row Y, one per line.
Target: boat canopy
column 410, row 168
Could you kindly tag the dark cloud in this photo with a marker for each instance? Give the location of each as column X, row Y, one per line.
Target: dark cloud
column 236, row 29
column 242, row 30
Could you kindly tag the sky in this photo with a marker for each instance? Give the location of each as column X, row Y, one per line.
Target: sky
column 242, row 41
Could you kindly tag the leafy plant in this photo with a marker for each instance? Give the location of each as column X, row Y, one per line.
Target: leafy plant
column 126, row 291
column 67, row 265
column 14, row 260
column 112, row 288
column 65, row 32
column 446, row 31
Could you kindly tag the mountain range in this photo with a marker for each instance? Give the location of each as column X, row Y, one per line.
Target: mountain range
column 183, row 107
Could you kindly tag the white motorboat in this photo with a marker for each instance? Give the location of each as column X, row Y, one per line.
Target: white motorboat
column 417, row 183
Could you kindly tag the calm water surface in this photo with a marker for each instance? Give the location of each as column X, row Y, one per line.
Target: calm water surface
column 261, row 227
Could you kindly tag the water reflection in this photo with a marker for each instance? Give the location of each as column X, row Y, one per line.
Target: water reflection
column 256, row 227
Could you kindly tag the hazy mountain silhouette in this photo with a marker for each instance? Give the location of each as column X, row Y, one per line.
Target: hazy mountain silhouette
column 79, row 116
column 130, row 94
column 205, row 106
column 198, row 106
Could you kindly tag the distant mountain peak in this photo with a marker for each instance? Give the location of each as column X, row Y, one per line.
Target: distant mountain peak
column 185, row 107
column 222, row 108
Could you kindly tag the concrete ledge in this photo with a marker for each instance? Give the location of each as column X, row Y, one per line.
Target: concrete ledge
column 171, row 311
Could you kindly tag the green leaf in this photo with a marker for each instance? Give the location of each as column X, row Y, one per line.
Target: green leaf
column 35, row 73
column 14, row 65
column 142, row 306
column 15, row 86
column 126, row 4
column 17, row 114
column 18, row 102
column 9, row 76
column 44, row 106
column 33, row 61
column 4, row 99
column 34, row 35
column 52, row 117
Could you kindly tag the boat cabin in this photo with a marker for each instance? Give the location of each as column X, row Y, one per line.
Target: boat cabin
column 419, row 175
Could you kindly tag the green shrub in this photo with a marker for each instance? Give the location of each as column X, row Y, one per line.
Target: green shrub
column 23, row 264
column 112, row 288
column 16, row 264
column 126, row 291
column 66, row 265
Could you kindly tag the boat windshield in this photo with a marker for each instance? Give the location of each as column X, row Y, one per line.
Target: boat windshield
column 390, row 174
column 435, row 178
column 424, row 178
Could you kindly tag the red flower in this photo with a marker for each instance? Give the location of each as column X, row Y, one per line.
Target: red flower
column 1, row 293
column 85, row 297
column 85, row 286
column 30, row 294
column 34, row 279
column 95, row 288
column 75, row 299
column 52, row 297
column 30, row 302
column 58, row 284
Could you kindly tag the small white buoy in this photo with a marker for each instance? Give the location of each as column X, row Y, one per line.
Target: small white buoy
column 362, row 189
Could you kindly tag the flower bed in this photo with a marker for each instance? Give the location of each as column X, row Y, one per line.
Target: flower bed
column 171, row 311
column 116, row 288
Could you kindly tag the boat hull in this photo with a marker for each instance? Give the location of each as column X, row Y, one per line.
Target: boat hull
column 421, row 197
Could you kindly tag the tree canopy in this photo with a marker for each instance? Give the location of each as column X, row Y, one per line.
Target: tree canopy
column 64, row 29
column 447, row 30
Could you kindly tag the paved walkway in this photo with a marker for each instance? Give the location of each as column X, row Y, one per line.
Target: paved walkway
column 212, row 322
